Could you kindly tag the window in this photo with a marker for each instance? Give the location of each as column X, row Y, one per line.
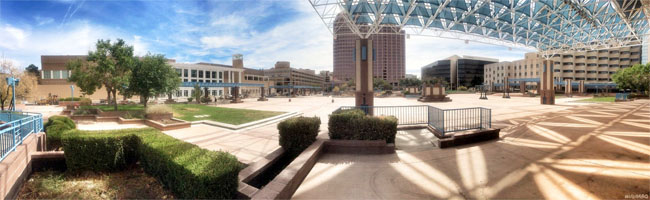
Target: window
column 47, row 74
column 214, row 74
column 207, row 74
column 567, row 71
column 194, row 73
column 64, row 74
column 185, row 73
column 184, row 80
column 185, row 93
column 200, row 73
column 220, row 75
column 56, row 74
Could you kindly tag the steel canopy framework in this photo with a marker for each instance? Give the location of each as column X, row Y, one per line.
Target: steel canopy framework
column 548, row 26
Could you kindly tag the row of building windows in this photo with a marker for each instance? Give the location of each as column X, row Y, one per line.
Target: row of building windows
column 55, row 74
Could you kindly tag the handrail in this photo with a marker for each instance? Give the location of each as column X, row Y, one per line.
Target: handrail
column 12, row 133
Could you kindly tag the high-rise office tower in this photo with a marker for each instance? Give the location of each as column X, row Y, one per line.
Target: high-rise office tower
column 389, row 49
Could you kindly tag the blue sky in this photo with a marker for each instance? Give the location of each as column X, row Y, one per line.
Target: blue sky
column 264, row 31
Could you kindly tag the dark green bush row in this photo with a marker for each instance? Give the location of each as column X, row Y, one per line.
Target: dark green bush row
column 99, row 151
column 74, row 99
column 296, row 134
column 355, row 125
column 187, row 170
column 55, row 127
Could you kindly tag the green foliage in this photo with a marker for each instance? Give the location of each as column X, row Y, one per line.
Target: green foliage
column 189, row 99
column 189, row 171
column 296, row 134
column 410, row 82
column 196, row 93
column 158, row 109
column 152, row 76
column 55, row 127
column 355, row 125
column 636, row 77
column 436, row 80
column 406, row 92
column 462, row 88
column 33, row 70
column 99, row 151
column 85, row 102
column 205, row 99
column 83, row 75
column 381, row 84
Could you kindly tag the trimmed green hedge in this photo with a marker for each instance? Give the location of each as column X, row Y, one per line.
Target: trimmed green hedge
column 296, row 134
column 74, row 99
column 189, row 171
column 353, row 124
column 55, row 127
column 99, row 151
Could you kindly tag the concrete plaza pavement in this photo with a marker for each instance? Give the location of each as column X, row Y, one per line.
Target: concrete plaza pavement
column 595, row 151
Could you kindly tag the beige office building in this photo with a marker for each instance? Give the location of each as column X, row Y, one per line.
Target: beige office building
column 54, row 79
column 283, row 75
column 592, row 66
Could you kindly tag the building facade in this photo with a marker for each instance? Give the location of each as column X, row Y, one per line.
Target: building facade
column 54, row 79
column 458, row 71
column 389, row 49
column 206, row 73
column 593, row 66
column 283, row 75
column 255, row 76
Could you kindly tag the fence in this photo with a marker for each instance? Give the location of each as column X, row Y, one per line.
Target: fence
column 17, row 126
column 622, row 96
column 443, row 120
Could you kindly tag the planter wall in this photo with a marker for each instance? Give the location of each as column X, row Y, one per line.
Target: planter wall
column 166, row 127
column 160, row 116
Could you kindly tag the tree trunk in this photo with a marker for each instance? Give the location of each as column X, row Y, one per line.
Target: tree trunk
column 108, row 96
column 146, row 99
column 114, row 98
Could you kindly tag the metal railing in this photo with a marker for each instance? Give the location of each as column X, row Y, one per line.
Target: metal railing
column 443, row 120
column 17, row 126
column 406, row 115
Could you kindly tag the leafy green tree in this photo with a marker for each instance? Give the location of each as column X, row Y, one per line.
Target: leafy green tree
column 152, row 76
column 196, row 93
column 636, row 77
column 82, row 74
column 33, row 69
column 410, row 82
column 381, row 84
column 114, row 62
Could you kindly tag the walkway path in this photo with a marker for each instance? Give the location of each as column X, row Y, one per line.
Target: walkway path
column 592, row 151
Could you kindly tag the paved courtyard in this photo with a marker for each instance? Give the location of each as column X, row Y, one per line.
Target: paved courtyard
column 585, row 152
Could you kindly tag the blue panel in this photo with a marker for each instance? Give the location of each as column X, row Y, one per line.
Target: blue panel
column 458, row 5
column 364, row 53
column 458, row 27
column 389, row 20
column 414, row 21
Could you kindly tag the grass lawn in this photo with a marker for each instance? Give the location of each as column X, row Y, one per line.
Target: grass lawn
column 192, row 112
column 128, row 184
column 599, row 99
column 189, row 112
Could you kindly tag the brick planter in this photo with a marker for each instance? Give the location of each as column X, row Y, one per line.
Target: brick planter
column 165, row 127
column 159, row 116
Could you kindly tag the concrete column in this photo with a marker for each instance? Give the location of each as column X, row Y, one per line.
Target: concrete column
column 235, row 95
column 581, row 87
column 506, row 87
column 262, row 97
column 364, row 95
column 547, row 93
column 522, row 87
column 568, row 89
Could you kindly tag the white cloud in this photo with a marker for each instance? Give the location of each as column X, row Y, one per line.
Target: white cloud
column 12, row 37
column 40, row 21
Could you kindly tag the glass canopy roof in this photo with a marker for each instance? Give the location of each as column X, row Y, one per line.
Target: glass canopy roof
column 544, row 25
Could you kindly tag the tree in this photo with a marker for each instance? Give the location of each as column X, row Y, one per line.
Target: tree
column 82, row 74
column 152, row 76
column 196, row 93
column 25, row 88
column 636, row 77
column 33, row 69
column 114, row 62
column 410, row 82
column 381, row 84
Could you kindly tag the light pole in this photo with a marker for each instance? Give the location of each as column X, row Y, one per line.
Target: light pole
column 71, row 94
column 13, row 82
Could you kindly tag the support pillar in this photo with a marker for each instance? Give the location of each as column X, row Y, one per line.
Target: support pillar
column 364, row 56
column 506, row 88
column 581, row 87
column 235, row 95
column 547, row 94
column 262, row 97
column 522, row 87
column 568, row 88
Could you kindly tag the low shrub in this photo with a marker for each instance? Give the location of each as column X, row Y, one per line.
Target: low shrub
column 85, row 102
column 462, row 88
column 54, row 128
column 99, row 151
column 82, row 99
column 296, row 134
column 189, row 100
column 353, row 124
column 206, row 99
column 189, row 171
column 158, row 109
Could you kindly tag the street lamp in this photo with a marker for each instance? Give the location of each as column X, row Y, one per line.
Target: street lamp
column 71, row 94
column 13, row 82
